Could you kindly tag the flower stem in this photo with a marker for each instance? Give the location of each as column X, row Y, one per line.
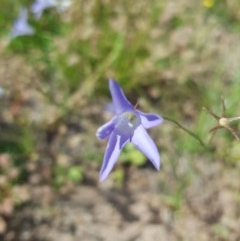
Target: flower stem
column 233, row 119
column 195, row 136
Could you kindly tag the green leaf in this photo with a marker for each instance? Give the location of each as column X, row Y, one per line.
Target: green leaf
column 75, row 173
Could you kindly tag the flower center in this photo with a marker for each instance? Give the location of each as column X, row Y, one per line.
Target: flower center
column 127, row 123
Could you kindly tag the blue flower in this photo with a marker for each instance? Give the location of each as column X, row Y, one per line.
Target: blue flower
column 127, row 125
column 21, row 25
column 40, row 5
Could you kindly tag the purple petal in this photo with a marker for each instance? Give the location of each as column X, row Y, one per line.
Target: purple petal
column 150, row 120
column 111, row 155
column 105, row 130
column 145, row 144
column 21, row 25
column 120, row 102
column 40, row 5
column 109, row 107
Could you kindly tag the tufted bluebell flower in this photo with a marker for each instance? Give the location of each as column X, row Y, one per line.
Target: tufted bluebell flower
column 21, row 25
column 40, row 5
column 127, row 125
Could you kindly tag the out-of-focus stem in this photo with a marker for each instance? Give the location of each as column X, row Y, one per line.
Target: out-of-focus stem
column 195, row 136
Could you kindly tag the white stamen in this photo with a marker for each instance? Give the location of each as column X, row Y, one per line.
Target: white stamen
column 130, row 124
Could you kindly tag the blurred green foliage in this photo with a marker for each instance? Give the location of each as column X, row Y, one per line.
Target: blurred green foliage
column 132, row 156
column 65, row 174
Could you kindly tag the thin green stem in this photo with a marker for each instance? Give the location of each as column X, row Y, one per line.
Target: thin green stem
column 195, row 136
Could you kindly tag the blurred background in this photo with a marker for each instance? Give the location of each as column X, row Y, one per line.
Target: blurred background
column 173, row 58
